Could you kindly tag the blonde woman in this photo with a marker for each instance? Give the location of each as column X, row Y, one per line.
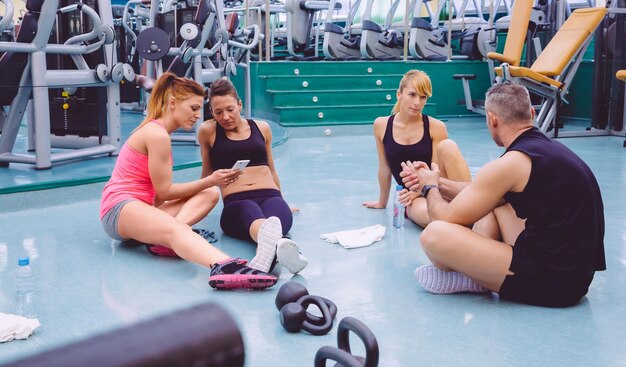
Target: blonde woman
column 141, row 202
column 410, row 135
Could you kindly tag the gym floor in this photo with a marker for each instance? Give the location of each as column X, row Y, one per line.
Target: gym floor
column 88, row 284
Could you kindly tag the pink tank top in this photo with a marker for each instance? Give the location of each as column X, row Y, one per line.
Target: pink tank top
column 130, row 180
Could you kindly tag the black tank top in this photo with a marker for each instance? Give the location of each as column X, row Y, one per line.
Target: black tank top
column 225, row 152
column 563, row 208
column 398, row 153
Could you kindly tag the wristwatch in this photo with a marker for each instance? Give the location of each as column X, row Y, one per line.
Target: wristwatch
column 427, row 188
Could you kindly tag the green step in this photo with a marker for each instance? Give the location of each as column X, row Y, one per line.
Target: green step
column 446, row 91
column 332, row 97
column 331, row 115
column 317, row 123
column 334, row 67
column 338, row 82
column 338, row 115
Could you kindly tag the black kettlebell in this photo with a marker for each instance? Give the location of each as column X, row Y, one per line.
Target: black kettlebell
column 343, row 358
column 319, row 321
column 292, row 301
column 294, row 317
column 292, row 291
column 289, row 292
column 343, row 354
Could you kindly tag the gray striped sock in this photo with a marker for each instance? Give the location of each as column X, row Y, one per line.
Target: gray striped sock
column 435, row 280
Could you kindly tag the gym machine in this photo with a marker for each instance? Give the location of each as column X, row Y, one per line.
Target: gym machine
column 381, row 43
column 301, row 19
column 429, row 41
column 610, row 56
column 340, row 43
column 6, row 35
column 273, row 29
column 27, row 77
column 205, row 52
column 522, row 28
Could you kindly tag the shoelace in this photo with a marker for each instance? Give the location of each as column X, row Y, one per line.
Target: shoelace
column 206, row 234
column 237, row 261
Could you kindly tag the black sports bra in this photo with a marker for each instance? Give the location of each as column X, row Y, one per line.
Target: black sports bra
column 398, row 153
column 225, row 152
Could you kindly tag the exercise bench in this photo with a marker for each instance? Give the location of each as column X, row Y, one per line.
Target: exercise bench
column 552, row 73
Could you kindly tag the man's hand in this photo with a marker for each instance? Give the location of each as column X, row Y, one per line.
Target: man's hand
column 428, row 176
column 415, row 175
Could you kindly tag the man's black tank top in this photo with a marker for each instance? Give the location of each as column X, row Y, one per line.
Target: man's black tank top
column 225, row 152
column 398, row 153
column 563, row 209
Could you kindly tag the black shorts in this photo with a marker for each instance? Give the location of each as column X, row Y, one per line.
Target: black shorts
column 533, row 284
column 243, row 208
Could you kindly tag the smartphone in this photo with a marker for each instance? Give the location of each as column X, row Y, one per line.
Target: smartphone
column 241, row 164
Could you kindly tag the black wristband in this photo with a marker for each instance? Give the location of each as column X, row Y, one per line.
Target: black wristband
column 427, row 188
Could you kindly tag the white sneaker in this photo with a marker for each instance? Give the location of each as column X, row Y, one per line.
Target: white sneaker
column 289, row 256
column 269, row 233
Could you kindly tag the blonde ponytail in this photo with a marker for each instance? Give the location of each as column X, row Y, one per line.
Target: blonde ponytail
column 169, row 85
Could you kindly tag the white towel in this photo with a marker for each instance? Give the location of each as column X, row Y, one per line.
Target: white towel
column 357, row 237
column 16, row 327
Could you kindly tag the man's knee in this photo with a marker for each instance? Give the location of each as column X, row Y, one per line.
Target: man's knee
column 432, row 236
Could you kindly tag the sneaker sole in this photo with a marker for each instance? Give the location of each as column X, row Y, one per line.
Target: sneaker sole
column 269, row 233
column 288, row 254
column 230, row 281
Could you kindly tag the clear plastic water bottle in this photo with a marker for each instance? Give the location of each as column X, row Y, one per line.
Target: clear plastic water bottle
column 25, row 289
column 398, row 208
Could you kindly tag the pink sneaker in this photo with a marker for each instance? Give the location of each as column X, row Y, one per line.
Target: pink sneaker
column 233, row 273
column 158, row 250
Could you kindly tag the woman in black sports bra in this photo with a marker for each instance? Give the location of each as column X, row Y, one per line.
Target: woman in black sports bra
column 410, row 135
column 254, row 208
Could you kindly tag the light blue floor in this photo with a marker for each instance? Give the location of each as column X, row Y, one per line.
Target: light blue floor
column 88, row 284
